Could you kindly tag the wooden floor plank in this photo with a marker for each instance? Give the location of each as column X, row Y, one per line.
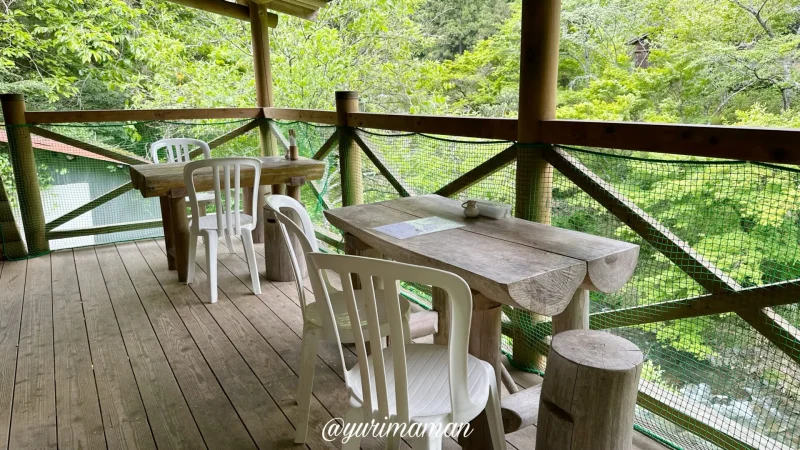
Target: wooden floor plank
column 166, row 363
column 252, row 402
column 275, row 375
column 167, row 411
column 211, row 408
column 124, row 417
column 80, row 424
column 12, row 278
column 33, row 415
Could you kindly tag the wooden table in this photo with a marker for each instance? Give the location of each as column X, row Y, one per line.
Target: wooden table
column 506, row 262
column 166, row 182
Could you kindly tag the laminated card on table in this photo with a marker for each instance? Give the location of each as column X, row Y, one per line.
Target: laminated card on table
column 417, row 227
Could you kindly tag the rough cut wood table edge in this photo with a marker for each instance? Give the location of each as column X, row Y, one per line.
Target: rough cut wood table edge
column 499, row 292
column 310, row 169
column 595, row 279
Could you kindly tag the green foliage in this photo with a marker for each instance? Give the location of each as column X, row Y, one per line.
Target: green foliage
column 457, row 25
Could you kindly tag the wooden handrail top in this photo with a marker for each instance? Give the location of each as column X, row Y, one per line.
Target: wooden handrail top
column 771, row 145
column 304, row 115
column 476, row 127
column 46, row 117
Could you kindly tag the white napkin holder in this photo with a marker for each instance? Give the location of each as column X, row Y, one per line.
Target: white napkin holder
column 493, row 210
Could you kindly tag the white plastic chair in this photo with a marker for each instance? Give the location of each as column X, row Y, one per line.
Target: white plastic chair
column 317, row 323
column 408, row 383
column 228, row 219
column 177, row 150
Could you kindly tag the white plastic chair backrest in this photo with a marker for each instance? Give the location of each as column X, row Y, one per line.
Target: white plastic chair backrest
column 392, row 272
column 226, row 197
column 177, row 149
column 281, row 205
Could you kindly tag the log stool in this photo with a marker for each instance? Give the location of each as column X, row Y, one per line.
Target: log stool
column 276, row 254
column 589, row 392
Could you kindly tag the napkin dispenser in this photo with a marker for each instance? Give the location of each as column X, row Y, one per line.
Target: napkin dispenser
column 493, row 210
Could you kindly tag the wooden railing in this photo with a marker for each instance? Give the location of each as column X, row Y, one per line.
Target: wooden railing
column 753, row 305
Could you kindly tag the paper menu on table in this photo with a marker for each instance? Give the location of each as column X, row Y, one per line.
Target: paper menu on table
column 417, row 227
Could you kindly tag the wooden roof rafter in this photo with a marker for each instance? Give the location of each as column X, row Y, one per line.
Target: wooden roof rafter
column 225, row 8
column 304, row 9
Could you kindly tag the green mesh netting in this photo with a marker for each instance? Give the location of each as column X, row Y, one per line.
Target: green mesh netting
column 708, row 382
column 711, row 379
column 72, row 174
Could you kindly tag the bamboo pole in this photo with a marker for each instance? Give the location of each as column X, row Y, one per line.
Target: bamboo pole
column 259, row 32
column 25, row 177
column 349, row 154
column 537, row 101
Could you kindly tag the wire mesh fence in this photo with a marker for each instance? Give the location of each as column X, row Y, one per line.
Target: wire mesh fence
column 711, row 378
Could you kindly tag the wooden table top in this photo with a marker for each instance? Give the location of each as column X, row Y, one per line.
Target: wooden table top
column 156, row 180
column 512, row 261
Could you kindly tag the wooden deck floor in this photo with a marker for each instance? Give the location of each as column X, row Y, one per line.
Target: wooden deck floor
column 102, row 347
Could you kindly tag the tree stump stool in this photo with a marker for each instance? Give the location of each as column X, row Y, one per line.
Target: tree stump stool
column 589, row 392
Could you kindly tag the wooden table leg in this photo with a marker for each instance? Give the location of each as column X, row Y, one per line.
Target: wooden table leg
column 293, row 191
column 180, row 230
column 439, row 304
column 484, row 343
column 293, row 187
column 354, row 246
column 169, row 237
column 576, row 316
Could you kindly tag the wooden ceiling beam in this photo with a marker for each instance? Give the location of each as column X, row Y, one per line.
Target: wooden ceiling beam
column 226, row 9
column 290, row 8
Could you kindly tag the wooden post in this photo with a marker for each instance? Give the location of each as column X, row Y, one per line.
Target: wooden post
column 349, row 153
column 538, row 85
column 259, row 33
column 23, row 162
column 12, row 245
column 589, row 393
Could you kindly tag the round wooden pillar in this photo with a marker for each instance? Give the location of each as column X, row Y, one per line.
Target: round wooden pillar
column 25, row 175
column 589, row 392
column 349, row 153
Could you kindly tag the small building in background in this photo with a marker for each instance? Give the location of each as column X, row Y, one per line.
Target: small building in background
column 641, row 51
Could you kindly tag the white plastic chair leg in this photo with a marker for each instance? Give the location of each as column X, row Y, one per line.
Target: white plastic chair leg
column 308, row 359
column 210, row 240
column 250, row 255
column 426, row 442
column 229, row 242
column 353, row 416
column 494, row 418
column 393, row 441
column 192, row 257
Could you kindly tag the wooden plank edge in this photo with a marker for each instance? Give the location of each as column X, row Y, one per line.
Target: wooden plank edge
column 302, row 115
column 104, row 229
column 326, row 148
column 224, row 8
column 476, row 127
column 752, row 298
column 130, row 115
column 771, row 145
column 115, row 155
column 86, row 207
